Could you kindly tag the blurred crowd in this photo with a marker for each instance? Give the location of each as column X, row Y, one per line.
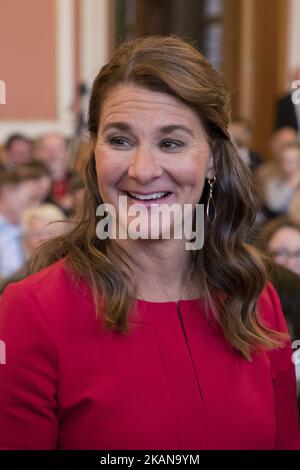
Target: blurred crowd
column 277, row 228
column 40, row 188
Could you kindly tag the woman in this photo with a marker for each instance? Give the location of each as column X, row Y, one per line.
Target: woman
column 281, row 239
column 139, row 343
column 38, row 224
column 280, row 183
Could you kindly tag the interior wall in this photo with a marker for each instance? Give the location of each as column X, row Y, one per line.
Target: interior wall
column 37, row 66
column 28, row 65
column 293, row 53
column 263, row 65
column 64, row 41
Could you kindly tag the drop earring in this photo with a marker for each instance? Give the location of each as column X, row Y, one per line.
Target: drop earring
column 210, row 208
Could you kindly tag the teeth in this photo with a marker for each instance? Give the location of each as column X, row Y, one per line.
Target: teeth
column 147, row 197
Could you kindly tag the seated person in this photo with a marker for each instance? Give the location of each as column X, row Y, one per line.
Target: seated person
column 281, row 239
column 38, row 224
column 18, row 151
column 18, row 191
column 278, row 182
column 51, row 149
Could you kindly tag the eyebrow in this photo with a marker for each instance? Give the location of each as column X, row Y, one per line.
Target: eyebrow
column 176, row 127
column 123, row 126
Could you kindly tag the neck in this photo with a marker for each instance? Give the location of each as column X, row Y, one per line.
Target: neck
column 161, row 268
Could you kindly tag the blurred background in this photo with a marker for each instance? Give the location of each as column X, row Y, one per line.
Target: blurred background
column 51, row 50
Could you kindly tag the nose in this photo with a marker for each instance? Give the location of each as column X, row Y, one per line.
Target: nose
column 143, row 166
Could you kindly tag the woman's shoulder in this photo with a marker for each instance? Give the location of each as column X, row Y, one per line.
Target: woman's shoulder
column 47, row 278
column 52, row 287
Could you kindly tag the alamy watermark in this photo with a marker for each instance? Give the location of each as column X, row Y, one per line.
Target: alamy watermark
column 2, row 352
column 2, row 92
column 296, row 353
column 155, row 221
column 295, row 356
column 296, row 94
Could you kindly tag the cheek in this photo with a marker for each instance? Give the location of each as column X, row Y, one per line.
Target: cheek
column 108, row 171
column 193, row 182
column 193, row 172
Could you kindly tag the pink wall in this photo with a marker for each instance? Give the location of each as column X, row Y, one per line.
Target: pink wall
column 77, row 14
column 28, row 59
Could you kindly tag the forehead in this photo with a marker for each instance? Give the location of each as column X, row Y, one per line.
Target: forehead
column 39, row 221
column 286, row 135
column 285, row 236
column 52, row 140
column 20, row 142
column 128, row 100
column 292, row 152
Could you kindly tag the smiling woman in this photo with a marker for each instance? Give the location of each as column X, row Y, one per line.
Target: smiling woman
column 178, row 349
column 153, row 149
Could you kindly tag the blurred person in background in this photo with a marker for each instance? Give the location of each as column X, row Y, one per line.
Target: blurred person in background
column 281, row 239
column 18, row 151
column 241, row 133
column 51, row 149
column 18, row 191
column 272, row 240
column 80, row 107
column 76, row 193
column 39, row 173
column 287, row 284
column 279, row 182
column 280, row 139
column 42, row 177
column 288, row 113
column 38, row 224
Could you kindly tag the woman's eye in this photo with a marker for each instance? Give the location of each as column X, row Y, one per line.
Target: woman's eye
column 170, row 144
column 119, row 141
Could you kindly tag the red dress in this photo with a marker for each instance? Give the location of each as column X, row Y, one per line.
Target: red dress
column 173, row 382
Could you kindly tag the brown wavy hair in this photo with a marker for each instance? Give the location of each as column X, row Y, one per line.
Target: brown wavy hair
column 228, row 264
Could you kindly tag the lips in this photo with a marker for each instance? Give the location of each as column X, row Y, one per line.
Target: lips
column 148, row 197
